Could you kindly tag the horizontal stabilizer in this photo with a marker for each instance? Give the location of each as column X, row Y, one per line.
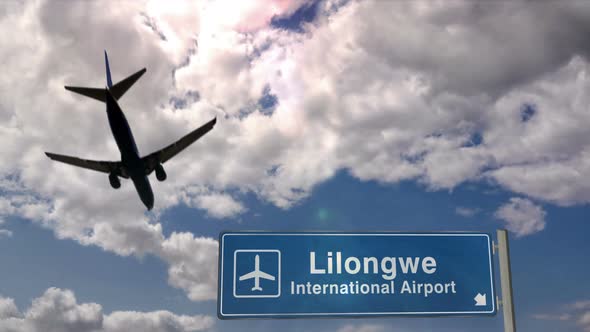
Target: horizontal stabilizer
column 118, row 90
column 98, row 94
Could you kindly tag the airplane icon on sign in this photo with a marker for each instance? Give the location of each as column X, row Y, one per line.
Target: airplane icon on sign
column 256, row 275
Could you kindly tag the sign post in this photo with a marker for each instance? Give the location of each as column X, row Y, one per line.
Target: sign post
column 315, row 274
column 506, row 281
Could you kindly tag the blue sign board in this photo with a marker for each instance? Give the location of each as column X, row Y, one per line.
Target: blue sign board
column 314, row 274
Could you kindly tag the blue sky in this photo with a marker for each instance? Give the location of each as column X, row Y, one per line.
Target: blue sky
column 343, row 203
column 332, row 116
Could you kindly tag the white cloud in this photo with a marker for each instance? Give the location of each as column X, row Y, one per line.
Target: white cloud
column 466, row 211
column 561, row 317
column 220, row 205
column 8, row 309
column 522, row 216
column 361, row 328
column 217, row 205
column 387, row 97
column 577, row 312
column 581, row 305
column 157, row 321
column 58, row 311
column 584, row 321
column 193, row 264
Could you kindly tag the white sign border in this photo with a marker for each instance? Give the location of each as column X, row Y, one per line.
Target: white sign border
column 278, row 277
column 353, row 314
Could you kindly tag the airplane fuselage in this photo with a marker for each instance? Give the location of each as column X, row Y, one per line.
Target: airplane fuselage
column 129, row 154
column 256, row 275
column 132, row 165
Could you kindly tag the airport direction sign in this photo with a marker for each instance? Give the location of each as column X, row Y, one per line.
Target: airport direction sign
column 318, row 274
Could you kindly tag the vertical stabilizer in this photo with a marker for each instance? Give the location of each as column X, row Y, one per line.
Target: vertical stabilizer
column 117, row 90
column 106, row 61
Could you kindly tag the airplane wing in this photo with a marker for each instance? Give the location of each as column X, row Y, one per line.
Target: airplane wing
column 265, row 276
column 248, row 276
column 99, row 166
column 165, row 154
column 257, row 274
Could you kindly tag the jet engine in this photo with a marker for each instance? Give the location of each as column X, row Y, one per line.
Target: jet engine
column 160, row 173
column 114, row 180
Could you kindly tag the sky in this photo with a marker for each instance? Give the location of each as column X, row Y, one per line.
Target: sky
column 335, row 115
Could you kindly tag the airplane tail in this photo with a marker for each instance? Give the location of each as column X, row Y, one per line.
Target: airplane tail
column 117, row 90
column 256, row 288
column 108, row 69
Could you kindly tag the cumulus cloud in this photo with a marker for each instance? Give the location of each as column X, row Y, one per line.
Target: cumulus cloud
column 220, row 205
column 217, row 205
column 405, row 90
column 522, row 216
column 193, row 264
column 157, row 321
column 584, row 321
column 580, row 305
column 577, row 313
column 361, row 328
column 561, row 317
column 58, row 311
column 8, row 309
column 4, row 232
column 466, row 211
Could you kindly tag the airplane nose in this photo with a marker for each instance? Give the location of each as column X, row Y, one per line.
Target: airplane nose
column 142, row 185
column 149, row 202
column 146, row 195
column 149, row 205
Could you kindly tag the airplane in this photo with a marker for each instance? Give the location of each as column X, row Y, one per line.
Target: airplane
column 131, row 166
column 257, row 274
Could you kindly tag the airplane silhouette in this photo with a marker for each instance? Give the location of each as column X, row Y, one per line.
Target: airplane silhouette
column 257, row 274
column 131, row 165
